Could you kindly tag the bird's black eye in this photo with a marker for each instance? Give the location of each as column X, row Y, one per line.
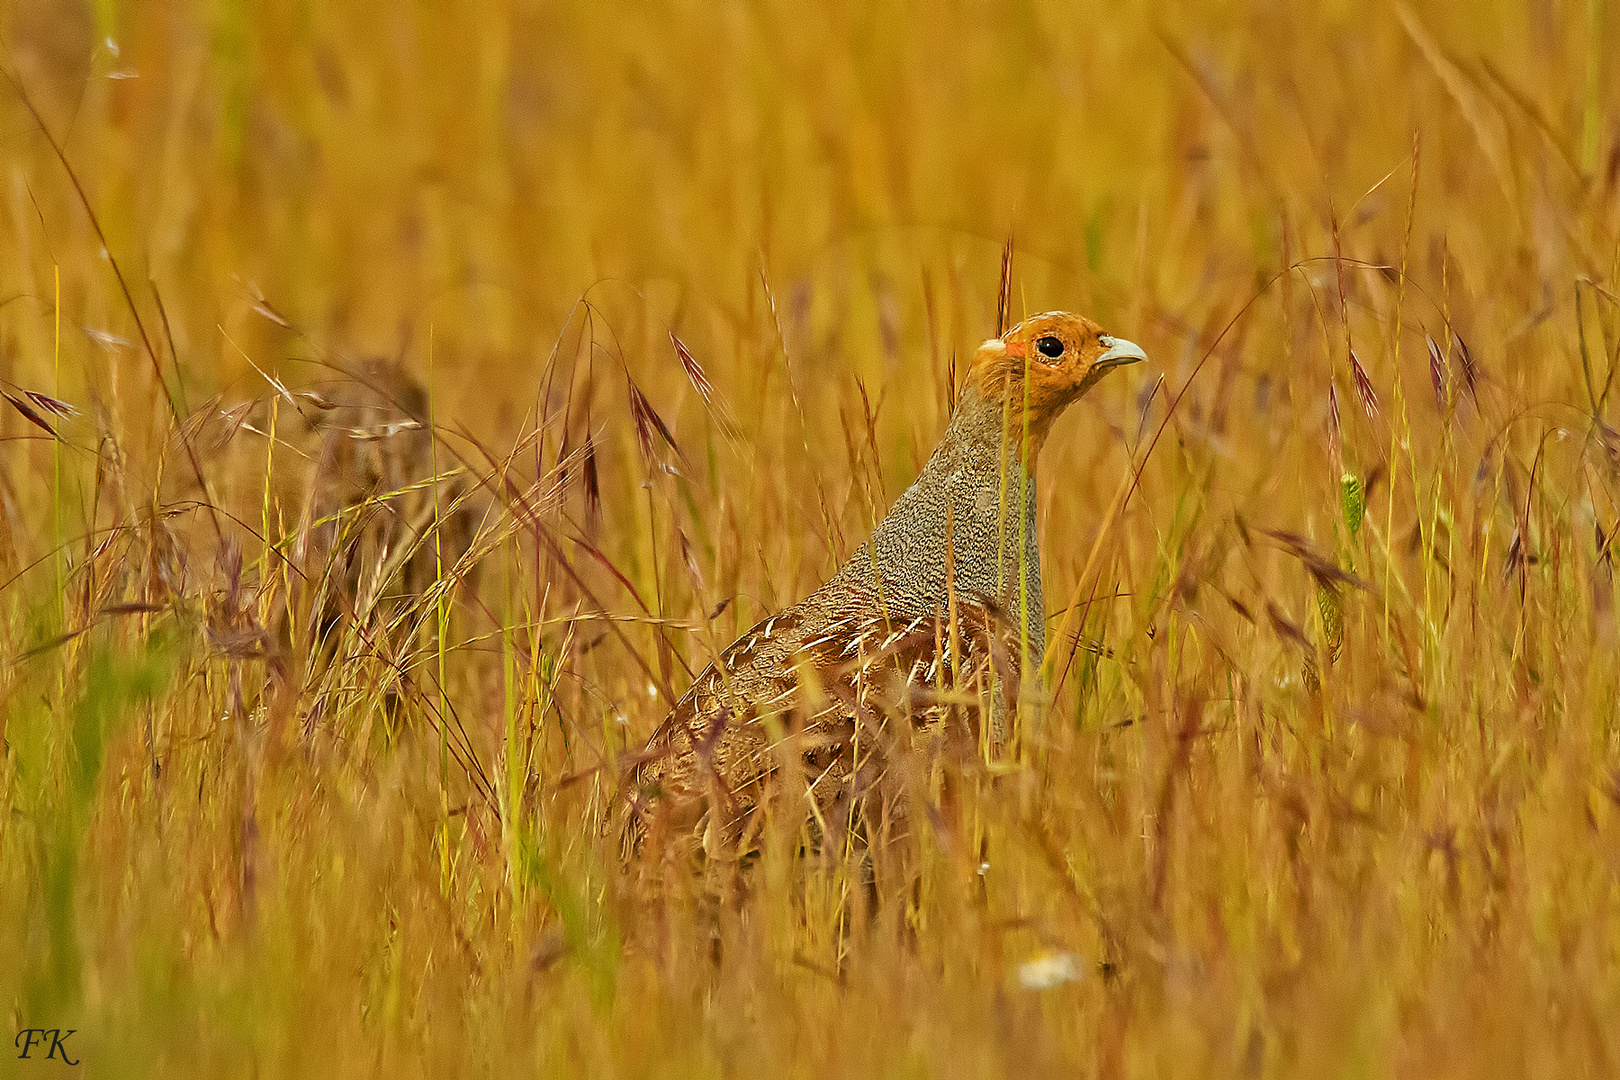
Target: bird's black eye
column 1050, row 347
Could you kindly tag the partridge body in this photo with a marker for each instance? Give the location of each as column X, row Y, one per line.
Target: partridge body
column 941, row 605
column 370, row 511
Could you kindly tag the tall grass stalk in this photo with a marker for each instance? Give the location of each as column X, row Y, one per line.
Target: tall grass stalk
column 441, row 634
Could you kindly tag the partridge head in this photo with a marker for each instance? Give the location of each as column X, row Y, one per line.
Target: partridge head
column 1042, row 366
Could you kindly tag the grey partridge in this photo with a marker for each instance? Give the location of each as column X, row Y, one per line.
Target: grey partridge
column 941, row 605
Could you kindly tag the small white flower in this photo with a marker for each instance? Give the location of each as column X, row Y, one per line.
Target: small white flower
column 1049, row 970
column 106, row 339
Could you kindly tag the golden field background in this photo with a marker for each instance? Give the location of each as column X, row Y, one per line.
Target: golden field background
column 240, row 836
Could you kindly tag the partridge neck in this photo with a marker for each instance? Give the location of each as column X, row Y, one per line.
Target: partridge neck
column 976, row 488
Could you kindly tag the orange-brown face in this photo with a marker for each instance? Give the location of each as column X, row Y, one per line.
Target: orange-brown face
column 1064, row 356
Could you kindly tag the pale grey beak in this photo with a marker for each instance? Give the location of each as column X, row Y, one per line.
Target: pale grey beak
column 1117, row 352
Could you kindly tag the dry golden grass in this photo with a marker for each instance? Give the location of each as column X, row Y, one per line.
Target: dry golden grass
column 248, row 829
